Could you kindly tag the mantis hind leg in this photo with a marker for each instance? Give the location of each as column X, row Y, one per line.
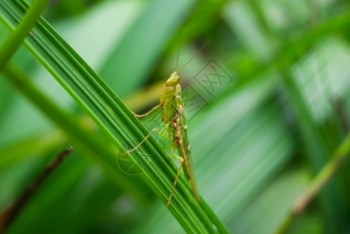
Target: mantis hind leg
column 177, row 176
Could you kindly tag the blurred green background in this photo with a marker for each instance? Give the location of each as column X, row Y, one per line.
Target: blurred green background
column 259, row 132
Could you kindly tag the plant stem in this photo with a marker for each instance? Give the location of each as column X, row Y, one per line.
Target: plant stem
column 10, row 214
column 337, row 160
column 17, row 36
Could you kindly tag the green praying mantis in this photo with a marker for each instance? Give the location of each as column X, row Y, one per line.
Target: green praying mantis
column 174, row 127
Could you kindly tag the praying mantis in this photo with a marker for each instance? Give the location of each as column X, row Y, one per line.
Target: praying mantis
column 174, row 126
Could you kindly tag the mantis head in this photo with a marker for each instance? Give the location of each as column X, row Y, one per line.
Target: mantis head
column 173, row 80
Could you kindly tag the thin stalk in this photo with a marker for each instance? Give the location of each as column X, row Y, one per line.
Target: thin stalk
column 337, row 160
column 17, row 36
column 10, row 214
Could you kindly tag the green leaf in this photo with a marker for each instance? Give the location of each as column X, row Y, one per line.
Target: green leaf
column 112, row 117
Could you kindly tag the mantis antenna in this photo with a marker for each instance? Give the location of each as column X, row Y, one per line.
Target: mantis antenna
column 178, row 51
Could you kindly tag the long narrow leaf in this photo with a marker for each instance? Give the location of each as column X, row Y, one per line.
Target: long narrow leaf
column 114, row 118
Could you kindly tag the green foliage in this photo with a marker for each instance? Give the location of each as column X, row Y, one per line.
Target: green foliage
column 257, row 137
